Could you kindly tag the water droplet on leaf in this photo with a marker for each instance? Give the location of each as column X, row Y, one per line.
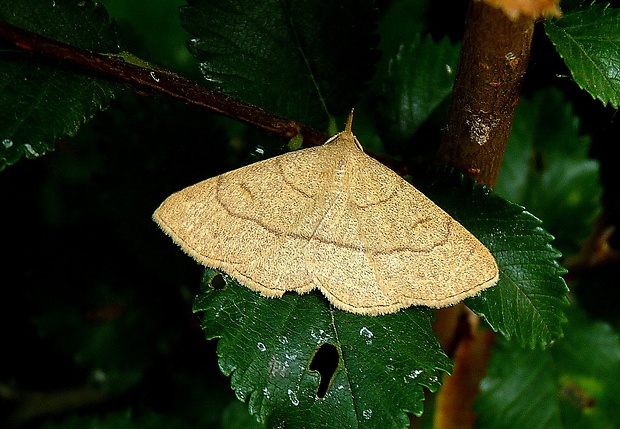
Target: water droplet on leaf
column 293, row 397
column 31, row 150
column 365, row 332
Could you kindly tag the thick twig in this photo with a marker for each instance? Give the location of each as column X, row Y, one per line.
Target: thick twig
column 157, row 81
column 491, row 67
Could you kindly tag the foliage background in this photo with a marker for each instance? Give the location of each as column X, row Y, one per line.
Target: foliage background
column 95, row 295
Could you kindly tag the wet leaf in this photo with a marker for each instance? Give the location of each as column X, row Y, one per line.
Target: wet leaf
column 305, row 60
column 41, row 100
column 267, row 347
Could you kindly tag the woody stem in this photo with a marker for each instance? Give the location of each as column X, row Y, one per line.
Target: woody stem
column 491, row 68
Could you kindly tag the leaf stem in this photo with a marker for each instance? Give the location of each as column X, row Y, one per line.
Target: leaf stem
column 158, row 81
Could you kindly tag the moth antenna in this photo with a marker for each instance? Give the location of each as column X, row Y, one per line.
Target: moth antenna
column 347, row 128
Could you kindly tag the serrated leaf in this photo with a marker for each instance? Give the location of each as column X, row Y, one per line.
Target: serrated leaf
column 547, row 168
column 302, row 59
column 528, row 301
column 42, row 101
column 571, row 385
column 589, row 41
column 419, row 79
column 267, row 346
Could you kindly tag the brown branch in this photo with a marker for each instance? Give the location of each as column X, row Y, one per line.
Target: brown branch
column 492, row 64
column 486, row 92
column 158, row 81
column 491, row 68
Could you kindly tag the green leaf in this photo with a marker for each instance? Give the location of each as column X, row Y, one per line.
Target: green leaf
column 267, row 346
column 305, row 60
column 419, row 79
column 166, row 47
column 547, row 168
column 589, row 41
column 401, row 22
column 570, row 385
column 528, row 301
column 42, row 101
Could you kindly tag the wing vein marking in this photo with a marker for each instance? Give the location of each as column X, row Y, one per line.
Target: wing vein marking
column 286, row 180
column 306, row 237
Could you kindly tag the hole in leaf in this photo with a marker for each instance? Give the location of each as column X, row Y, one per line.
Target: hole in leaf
column 218, row 282
column 212, row 280
column 325, row 361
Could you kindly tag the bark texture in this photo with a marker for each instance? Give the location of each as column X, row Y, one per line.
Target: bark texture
column 491, row 67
